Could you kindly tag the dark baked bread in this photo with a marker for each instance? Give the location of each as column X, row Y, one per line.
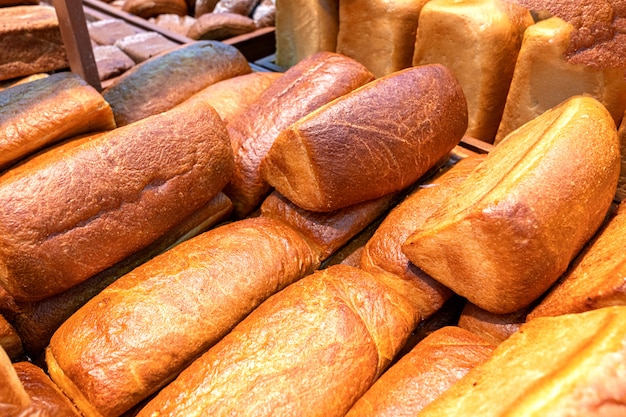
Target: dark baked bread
column 311, row 350
column 164, row 81
column 424, row 373
column 514, row 225
column 303, row 88
column 39, row 113
column 81, row 207
column 142, row 330
column 374, row 141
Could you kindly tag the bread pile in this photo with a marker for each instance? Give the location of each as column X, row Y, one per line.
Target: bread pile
column 314, row 242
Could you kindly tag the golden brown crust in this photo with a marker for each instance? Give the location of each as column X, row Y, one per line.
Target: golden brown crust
column 79, row 208
column 559, row 366
column 39, row 113
column 326, row 232
column 220, row 26
column 13, row 396
column 595, row 279
column 371, row 142
column 37, row 321
column 31, row 41
column 9, row 339
column 379, row 34
column 479, row 42
column 492, row 327
column 420, row 376
column 164, row 81
column 46, row 397
column 271, row 363
column 312, row 83
column 142, row 330
column 511, row 229
column 232, row 96
column 383, row 254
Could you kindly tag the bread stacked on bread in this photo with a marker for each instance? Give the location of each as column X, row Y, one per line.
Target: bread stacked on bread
column 36, row 114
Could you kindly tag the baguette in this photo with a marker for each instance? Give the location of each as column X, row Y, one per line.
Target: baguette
column 79, row 208
column 480, row 46
column 303, row 88
column 420, row 376
column 376, row 140
column 37, row 321
column 570, row 365
column 595, row 279
column 137, row 334
column 42, row 112
column 339, row 317
column 162, row 82
column 383, row 255
column 514, row 225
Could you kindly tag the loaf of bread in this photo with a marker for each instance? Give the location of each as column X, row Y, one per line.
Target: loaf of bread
column 37, row 321
column 153, row 8
column 514, row 225
column 10, row 340
column 620, row 194
column 46, row 399
column 490, row 326
column 39, row 113
column 380, row 34
column 326, row 232
column 543, row 78
column 13, row 396
column 374, row 141
column 595, row 279
column 303, row 88
column 164, row 81
column 420, row 376
column 22, row 80
column 383, row 252
column 304, row 28
column 312, row 349
column 142, row 330
column 233, row 95
column 571, row 365
column 79, row 208
column 480, row 46
column 30, row 41
column 221, row 26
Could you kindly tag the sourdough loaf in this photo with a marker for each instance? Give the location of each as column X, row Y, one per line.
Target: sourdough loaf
column 36, row 321
column 303, row 88
column 420, row 376
column 514, row 225
column 30, row 41
column 142, row 330
column 380, row 34
column 383, row 252
column 39, row 113
column 81, row 207
column 164, row 81
column 311, row 349
column 373, row 141
column 232, row 96
column 553, row 366
column 478, row 40
column 304, row 28
column 543, row 78
column 595, row 279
